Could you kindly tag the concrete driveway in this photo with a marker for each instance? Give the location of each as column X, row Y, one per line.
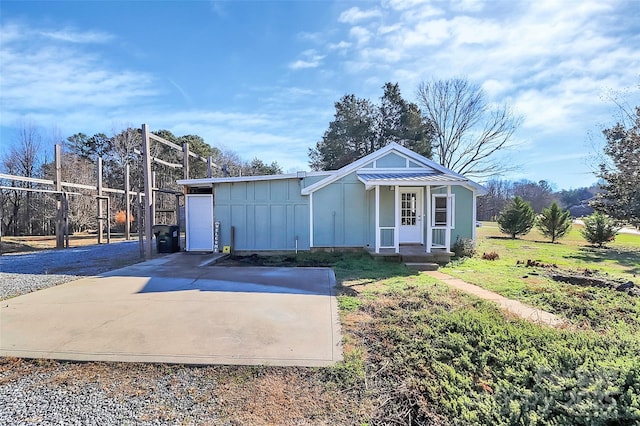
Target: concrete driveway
column 176, row 309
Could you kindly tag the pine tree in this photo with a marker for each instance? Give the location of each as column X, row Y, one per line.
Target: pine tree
column 599, row 229
column 517, row 218
column 554, row 223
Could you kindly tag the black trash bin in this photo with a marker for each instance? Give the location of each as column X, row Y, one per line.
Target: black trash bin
column 167, row 238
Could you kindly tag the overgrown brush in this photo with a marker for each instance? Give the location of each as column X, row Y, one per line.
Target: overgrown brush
column 433, row 357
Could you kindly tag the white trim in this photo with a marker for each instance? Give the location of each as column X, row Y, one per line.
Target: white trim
column 473, row 218
column 447, row 233
column 358, row 164
column 396, row 231
column 433, row 211
column 205, row 181
column 428, row 220
column 377, row 206
column 310, row 221
column 370, row 185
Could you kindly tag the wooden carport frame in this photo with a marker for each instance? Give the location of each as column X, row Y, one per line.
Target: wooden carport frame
column 148, row 206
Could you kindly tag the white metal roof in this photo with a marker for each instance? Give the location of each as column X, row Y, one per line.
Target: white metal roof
column 372, row 180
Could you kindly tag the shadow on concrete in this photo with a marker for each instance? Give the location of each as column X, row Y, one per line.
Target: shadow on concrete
column 313, row 281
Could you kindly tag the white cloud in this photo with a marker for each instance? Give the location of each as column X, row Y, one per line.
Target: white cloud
column 355, row 15
column 78, row 36
column 310, row 59
column 360, row 34
column 404, row 4
column 341, row 45
column 300, row 64
column 61, row 82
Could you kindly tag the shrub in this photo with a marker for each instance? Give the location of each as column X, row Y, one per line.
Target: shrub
column 554, row 223
column 599, row 229
column 517, row 218
column 463, row 247
column 490, row 256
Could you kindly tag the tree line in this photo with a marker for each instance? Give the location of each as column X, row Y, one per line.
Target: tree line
column 28, row 210
column 455, row 125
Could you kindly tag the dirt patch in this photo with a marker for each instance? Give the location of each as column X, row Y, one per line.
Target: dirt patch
column 536, row 264
column 589, row 278
column 25, row 244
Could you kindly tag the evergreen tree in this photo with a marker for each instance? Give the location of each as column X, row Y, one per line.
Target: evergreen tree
column 599, row 229
column 554, row 223
column 401, row 122
column 360, row 127
column 620, row 198
column 517, row 218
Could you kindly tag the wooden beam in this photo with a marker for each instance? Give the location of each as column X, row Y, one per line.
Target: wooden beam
column 185, row 159
column 27, row 179
column 159, row 161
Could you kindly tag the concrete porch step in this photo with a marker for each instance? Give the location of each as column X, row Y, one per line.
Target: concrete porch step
column 443, row 257
column 422, row 266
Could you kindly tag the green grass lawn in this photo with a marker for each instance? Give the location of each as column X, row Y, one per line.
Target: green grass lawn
column 594, row 308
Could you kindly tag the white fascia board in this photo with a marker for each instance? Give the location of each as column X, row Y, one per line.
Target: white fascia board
column 371, row 184
column 208, row 181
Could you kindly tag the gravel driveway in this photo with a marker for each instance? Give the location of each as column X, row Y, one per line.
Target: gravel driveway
column 26, row 272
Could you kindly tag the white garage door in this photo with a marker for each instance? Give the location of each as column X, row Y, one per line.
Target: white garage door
column 199, row 222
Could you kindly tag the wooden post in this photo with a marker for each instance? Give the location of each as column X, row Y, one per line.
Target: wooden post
column 65, row 211
column 209, row 167
column 154, row 198
column 127, row 204
column 99, row 199
column 140, row 212
column 60, row 201
column 178, row 217
column 185, row 160
column 148, row 192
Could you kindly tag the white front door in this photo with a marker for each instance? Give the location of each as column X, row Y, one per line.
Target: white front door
column 199, row 222
column 410, row 215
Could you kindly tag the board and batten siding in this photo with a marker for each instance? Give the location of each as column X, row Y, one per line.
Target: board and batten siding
column 341, row 216
column 266, row 215
column 463, row 211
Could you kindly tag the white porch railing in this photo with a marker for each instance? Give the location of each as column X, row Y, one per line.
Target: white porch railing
column 439, row 238
column 388, row 238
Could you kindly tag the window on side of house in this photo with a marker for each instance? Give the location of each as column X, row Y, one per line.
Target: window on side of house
column 442, row 213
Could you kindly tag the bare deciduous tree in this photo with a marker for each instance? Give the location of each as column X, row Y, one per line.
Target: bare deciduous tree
column 468, row 131
column 24, row 158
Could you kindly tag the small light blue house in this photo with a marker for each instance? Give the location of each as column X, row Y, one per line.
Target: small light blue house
column 389, row 199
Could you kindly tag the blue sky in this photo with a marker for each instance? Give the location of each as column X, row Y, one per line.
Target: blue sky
column 261, row 77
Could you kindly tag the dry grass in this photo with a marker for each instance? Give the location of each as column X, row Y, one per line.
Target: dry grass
column 291, row 396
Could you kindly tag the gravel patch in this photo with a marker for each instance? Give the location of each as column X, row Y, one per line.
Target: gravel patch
column 12, row 285
column 53, row 393
column 23, row 273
